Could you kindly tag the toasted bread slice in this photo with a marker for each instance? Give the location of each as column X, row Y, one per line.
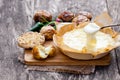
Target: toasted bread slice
column 30, row 39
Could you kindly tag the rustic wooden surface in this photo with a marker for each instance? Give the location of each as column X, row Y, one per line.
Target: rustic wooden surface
column 16, row 17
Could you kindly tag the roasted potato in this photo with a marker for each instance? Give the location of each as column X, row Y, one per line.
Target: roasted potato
column 41, row 52
column 80, row 18
column 85, row 13
column 42, row 16
column 48, row 32
column 66, row 16
column 50, row 50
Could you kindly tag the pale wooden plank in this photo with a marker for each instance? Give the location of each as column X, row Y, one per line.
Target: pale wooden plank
column 12, row 16
column 114, row 11
column 53, row 76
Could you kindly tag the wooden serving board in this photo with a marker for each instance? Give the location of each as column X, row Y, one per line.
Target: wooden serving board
column 61, row 59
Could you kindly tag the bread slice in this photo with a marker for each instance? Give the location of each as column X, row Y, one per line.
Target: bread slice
column 30, row 39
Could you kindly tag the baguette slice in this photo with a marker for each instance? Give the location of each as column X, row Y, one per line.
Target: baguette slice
column 30, row 39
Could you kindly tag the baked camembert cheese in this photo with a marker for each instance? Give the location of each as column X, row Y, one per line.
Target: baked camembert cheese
column 78, row 39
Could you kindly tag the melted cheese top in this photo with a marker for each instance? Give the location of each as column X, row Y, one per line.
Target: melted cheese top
column 77, row 39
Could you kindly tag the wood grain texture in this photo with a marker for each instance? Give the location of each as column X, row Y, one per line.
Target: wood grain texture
column 113, row 8
column 16, row 18
column 11, row 23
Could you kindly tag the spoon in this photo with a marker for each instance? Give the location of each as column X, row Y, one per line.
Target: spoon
column 114, row 25
column 92, row 27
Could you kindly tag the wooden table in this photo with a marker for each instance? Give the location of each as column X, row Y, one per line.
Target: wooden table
column 16, row 17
